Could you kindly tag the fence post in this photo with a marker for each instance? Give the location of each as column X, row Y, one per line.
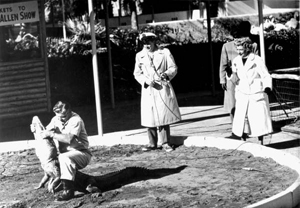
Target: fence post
column 95, row 69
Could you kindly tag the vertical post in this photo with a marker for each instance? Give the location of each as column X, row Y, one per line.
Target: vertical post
column 120, row 13
column 95, row 69
column 210, row 47
column 64, row 19
column 226, row 8
column 201, row 9
column 190, row 11
column 152, row 12
column 42, row 25
column 261, row 30
column 109, row 55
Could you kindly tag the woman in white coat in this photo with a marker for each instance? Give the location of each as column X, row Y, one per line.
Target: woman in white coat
column 154, row 69
column 253, row 84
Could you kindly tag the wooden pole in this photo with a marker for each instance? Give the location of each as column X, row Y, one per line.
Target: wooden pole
column 44, row 49
column 64, row 20
column 152, row 12
column 261, row 29
column 210, row 47
column 95, row 69
column 112, row 92
column 120, row 13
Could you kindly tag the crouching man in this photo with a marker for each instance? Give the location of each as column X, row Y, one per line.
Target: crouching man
column 68, row 130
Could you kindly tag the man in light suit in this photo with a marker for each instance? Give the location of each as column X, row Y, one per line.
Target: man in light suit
column 154, row 69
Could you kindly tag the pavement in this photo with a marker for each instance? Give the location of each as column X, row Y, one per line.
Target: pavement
column 201, row 121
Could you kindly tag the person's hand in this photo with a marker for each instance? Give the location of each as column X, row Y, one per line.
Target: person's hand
column 46, row 133
column 228, row 71
column 224, row 86
column 149, row 83
column 267, row 90
column 164, row 76
column 152, row 84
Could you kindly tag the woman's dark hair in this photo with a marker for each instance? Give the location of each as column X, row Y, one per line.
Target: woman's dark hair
column 61, row 107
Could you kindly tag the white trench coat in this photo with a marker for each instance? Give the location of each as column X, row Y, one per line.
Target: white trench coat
column 159, row 105
column 251, row 101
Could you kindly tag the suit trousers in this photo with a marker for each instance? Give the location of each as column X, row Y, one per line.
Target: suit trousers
column 72, row 161
column 159, row 135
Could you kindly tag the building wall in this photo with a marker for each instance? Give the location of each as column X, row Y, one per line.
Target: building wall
column 144, row 19
column 24, row 76
column 233, row 8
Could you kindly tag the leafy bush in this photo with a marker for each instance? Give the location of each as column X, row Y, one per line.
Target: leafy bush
column 82, row 30
column 125, row 41
column 282, row 49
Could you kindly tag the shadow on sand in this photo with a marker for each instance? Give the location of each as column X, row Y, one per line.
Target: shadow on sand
column 285, row 145
column 117, row 179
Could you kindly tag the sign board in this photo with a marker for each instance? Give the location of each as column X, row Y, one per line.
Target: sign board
column 21, row 12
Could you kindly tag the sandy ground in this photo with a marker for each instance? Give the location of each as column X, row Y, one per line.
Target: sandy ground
column 186, row 177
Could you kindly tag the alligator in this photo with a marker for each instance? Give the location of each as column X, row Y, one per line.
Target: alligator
column 47, row 153
column 117, row 179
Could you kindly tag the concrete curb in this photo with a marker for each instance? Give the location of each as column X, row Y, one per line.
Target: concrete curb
column 289, row 198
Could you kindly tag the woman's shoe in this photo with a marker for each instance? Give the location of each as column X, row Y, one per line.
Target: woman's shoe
column 244, row 137
column 148, row 148
column 159, row 147
column 261, row 139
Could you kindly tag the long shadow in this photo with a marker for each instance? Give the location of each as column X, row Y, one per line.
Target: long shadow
column 286, row 144
column 209, row 109
column 191, row 120
column 120, row 178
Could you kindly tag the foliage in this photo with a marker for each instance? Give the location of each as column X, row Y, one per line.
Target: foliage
column 282, row 48
column 178, row 33
column 25, row 44
column 79, row 42
column 126, row 39
column 228, row 26
column 289, row 37
column 26, row 47
column 58, row 47
column 82, row 29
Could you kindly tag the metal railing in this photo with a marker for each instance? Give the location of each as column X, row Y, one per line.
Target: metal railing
column 285, row 99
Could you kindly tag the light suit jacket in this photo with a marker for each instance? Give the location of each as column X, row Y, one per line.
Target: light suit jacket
column 159, row 105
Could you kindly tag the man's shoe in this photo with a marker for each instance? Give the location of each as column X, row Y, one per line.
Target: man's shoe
column 233, row 136
column 148, row 148
column 66, row 195
column 68, row 191
column 168, row 148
